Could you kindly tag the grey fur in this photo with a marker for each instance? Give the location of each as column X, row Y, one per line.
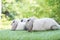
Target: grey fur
column 29, row 24
column 18, row 24
column 14, row 24
column 41, row 24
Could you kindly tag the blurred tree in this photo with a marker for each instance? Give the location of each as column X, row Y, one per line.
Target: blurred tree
column 28, row 8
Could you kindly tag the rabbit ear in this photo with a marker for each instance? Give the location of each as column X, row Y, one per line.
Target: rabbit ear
column 21, row 20
column 29, row 24
column 14, row 25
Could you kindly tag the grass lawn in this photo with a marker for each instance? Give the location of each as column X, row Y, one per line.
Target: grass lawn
column 24, row 35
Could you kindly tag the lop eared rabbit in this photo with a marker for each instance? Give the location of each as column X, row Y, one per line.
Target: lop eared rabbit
column 18, row 24
column 41, row 24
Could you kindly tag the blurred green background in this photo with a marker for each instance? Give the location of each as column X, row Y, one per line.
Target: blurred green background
column 12, row 9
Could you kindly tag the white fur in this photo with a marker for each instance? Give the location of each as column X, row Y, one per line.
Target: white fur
column 24, row 19
column 14, row 23
column 20, row 25
column 44, row 24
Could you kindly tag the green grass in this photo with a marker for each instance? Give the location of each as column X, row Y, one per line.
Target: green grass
column 24, row 35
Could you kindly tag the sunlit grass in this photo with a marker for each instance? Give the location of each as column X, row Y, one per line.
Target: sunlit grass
column 24, row 35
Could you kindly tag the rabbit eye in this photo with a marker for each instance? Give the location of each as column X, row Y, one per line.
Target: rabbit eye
column 28, row 20
column 21, row 20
